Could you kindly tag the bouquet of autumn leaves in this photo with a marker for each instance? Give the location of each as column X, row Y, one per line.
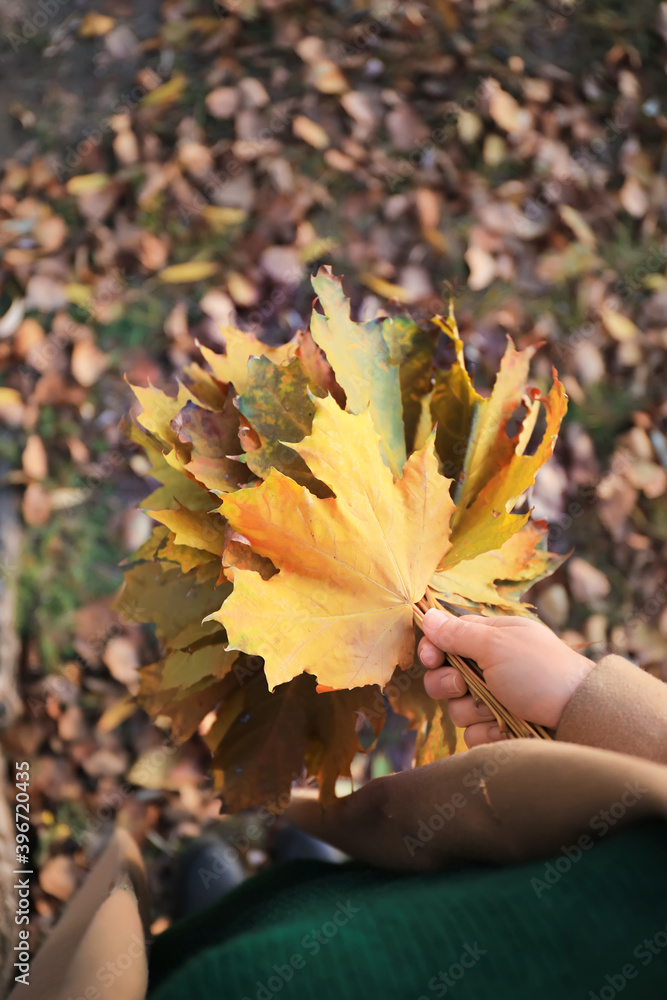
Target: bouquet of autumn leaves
column 311, row 498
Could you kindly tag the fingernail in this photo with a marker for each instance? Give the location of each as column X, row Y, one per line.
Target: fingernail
column 428, row 656
column 434, row 618
column 494, row 732
column 448, row 687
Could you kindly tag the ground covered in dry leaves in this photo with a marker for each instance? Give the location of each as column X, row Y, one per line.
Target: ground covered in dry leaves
column 176, row 166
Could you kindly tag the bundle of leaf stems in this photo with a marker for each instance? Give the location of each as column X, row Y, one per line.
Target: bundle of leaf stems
column 508, row 723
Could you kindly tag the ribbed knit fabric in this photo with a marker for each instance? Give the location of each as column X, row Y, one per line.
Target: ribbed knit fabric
column 592, row 927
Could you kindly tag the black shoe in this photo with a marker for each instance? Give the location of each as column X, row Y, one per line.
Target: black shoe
column 207, row 870
column 290, row 844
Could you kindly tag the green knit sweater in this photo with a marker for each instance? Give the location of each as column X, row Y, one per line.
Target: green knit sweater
column 584, row 924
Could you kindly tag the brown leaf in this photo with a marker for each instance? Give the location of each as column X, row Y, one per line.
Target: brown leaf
column 312, row 133
column 196, row 158
column 28, row 337
column 405, row 128
column 50, row 233
column 587, row 583
column 126, row 147
column 36, row 504
column 254, row 92
column 634, row 198
column 482, row 268
column 88, row 362
column 254, row 764
column 154, row 251
column 214, row 436
column 121, row 657
column 238, row 554
column 45, row 294
column 506, row 111
column 283, row 264
column 327, row 77
column 93, row 25
column 223, row 102
column 34, row 461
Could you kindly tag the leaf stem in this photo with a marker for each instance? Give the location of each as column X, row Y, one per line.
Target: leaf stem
column 512, row 725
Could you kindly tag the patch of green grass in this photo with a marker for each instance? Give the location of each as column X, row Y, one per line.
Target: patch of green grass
column 71, row 560
column 605, row 414
column 151, row 219
column 141, row 325
column 627, row 253
column 10, row 450
column 56, row 425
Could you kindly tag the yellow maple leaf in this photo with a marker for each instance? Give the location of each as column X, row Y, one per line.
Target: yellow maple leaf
column 491, row 448
column 159, row 409
column 196, row 529
column 350, row 567
column 488, row 522
column 232, row 366
column 477, row 582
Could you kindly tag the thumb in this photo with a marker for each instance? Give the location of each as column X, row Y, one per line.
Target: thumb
column 465, row 636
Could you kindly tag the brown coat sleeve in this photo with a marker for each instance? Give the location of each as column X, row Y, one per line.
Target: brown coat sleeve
column 618, row 707
column 500, row 803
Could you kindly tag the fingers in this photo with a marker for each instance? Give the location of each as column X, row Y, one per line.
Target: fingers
column 445, row 683
column 463, row 712
column 429, row 654
column 466, row 636
column 482, row 732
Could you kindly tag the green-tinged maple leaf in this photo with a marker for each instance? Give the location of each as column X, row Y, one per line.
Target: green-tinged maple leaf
column 278, row 406
column 182, row 684
column 159, row 592
column 454, row 405
column 185, row 667
column 360, row 356
column 177, row 489
column 150, row 548
column 416, row 376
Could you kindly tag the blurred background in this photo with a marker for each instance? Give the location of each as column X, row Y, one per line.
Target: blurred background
column 168, row 167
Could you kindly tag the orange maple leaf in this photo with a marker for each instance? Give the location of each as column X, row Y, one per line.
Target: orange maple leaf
column 350, row 567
